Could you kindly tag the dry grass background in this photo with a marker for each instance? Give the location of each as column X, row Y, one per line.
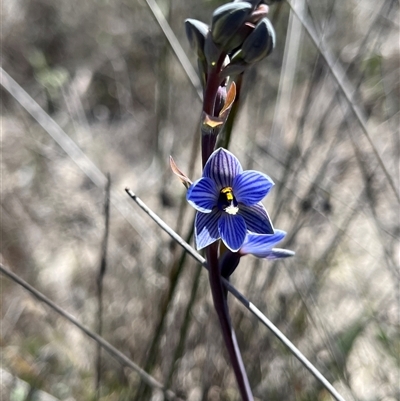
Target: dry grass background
column 104, row 72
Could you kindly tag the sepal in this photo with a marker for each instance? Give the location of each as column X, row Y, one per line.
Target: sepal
column 196, row 32
column 227, row 20
column 212, row 52
column 260, row 43
column 261, row 246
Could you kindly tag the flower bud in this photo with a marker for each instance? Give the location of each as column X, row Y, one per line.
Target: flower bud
column 196, row 32
column 211, row 51
column 227, row 20
column 220, row 99
column 239, row 37
column 259, row 43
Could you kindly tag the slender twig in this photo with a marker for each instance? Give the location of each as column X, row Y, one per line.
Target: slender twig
column 312, row 287
column 345, row 88
column 241, row 298
column 123, row 359
column 100, row 277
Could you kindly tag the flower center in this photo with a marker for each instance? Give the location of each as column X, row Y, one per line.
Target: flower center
column 227, row 201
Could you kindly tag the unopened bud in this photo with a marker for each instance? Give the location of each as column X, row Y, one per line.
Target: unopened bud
column 227, row 20
column 220, row 99
column 259, row 43
column 211, row 51
column 196, row 32
column 239, row 37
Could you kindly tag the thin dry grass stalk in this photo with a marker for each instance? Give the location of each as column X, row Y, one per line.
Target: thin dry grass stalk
column 98, row 339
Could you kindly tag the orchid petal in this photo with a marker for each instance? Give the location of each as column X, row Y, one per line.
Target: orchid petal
column 203, row 195
column 222, row 167
column 256, row 218
column 206, row 228
column 250, row 187
column 277, row 253
column 260, row 245
column 232, row 229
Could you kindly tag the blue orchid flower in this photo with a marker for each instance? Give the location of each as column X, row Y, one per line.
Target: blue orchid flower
column 228, row 202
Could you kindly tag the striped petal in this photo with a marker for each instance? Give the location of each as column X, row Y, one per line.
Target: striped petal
column 232, row 229
column 256, row 218
column 261, row 245
column 206, row 228
column 250, row 187
column 203, row 195
column 222, row 167
column 277, row 253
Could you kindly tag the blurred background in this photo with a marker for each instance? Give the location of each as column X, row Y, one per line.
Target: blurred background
column 104, row 72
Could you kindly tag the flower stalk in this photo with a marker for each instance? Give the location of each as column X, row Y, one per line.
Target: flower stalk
column 228, row 199
column 219, row 296
column 209, row 134
column 228, row 334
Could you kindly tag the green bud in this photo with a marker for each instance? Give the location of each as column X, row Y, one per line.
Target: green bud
column 227, row 20
column 196, row 32
column 239, row 37
column 259, row 43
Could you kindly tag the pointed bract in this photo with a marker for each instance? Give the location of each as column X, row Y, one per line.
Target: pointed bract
column 182, row 176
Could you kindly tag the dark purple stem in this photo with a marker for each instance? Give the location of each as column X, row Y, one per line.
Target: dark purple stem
column 213, row 83
column 208, row 140
column 221, row 307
